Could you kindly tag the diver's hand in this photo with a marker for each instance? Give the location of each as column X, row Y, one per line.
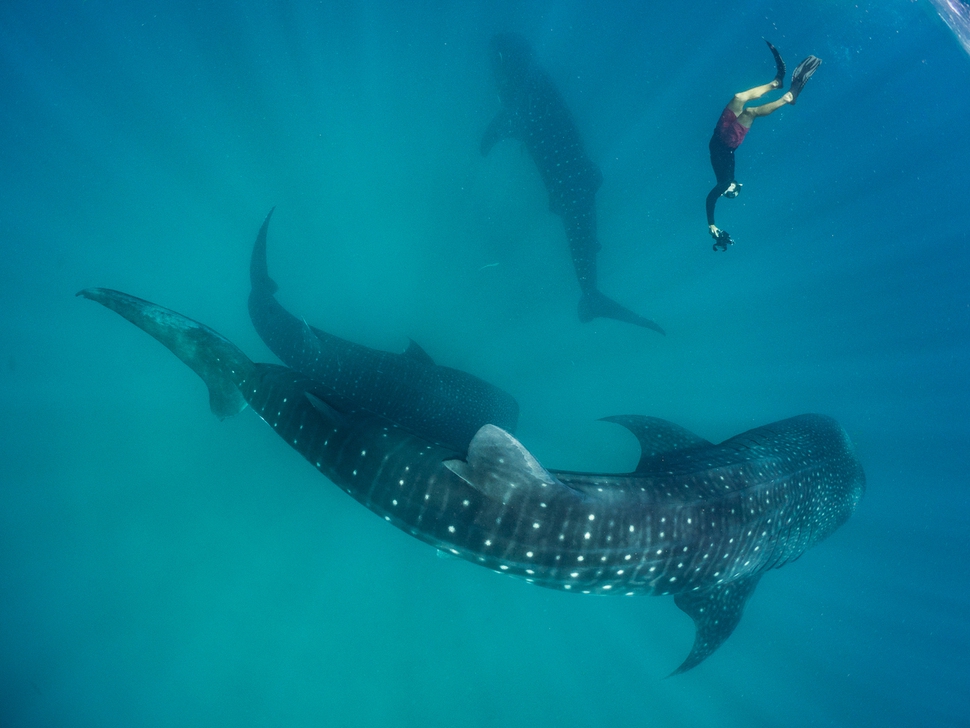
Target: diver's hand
column 722, row 239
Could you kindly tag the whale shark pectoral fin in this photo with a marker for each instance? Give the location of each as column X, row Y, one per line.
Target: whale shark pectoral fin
column 656, row 437
column 500, row 467
column 416, row 353
column 220, row 364
column 258, row 271
column 716, row 612
column 225, row 399
column 499, row 128
column 329, row 413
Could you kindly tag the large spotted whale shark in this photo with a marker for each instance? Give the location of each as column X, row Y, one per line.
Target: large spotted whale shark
column 443, row 405
column 534, row 112
column 698, row 521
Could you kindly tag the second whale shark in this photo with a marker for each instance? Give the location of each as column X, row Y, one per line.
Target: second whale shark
column 534, row 112
column 441, row 404
column 697, row 521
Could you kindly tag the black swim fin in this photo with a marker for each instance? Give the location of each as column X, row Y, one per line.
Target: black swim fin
column 779, row 65
column 594, row 304
column 803, row 71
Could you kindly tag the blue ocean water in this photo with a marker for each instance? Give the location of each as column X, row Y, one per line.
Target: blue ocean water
column 160, row 568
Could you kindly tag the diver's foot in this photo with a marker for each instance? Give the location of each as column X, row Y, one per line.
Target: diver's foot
column 779, row 66
column 803, row 71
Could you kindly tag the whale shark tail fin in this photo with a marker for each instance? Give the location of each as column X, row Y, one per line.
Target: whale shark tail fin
column 258, row 270
column 716, row 612
column 594, row 304
column 220, row 364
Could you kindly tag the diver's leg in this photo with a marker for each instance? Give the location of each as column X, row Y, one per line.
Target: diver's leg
column 740, row 99
column 747, row 117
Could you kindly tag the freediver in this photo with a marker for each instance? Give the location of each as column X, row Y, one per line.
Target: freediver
column 733, row 126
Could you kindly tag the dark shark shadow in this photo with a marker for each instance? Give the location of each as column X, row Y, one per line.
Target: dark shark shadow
column 697, row 521
column 534, row 112
column 440, row 404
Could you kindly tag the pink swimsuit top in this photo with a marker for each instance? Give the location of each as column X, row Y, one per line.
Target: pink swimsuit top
column 729, row 131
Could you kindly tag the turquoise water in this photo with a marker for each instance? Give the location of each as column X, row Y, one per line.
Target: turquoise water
column 161, row 568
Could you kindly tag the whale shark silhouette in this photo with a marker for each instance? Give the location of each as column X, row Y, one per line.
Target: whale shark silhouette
column 697, row 521
column 534, row 112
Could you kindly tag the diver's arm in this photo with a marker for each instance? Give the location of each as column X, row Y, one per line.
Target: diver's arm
column 711, row 201
column 722, row 239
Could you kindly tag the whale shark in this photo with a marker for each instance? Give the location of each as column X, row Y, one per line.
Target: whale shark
column 697, row 521
column 444, row 405
column 534, row 112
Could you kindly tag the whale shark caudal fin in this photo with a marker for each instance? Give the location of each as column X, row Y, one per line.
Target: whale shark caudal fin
column 499, row 466
column 258, row 270
column 220, row 364
column 716, row 611
column 594, row 304
column 657, row 437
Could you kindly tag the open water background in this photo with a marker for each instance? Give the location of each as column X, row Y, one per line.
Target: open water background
column 161, row 568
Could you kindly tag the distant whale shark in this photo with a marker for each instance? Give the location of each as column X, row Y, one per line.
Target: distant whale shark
column 534, row 112
column 698, row 521
column 443, row 405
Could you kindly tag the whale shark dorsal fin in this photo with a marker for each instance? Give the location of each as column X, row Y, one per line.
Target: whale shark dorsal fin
column 657, row 437
column 499, row 466
column 716, row 611
column 416, row 353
